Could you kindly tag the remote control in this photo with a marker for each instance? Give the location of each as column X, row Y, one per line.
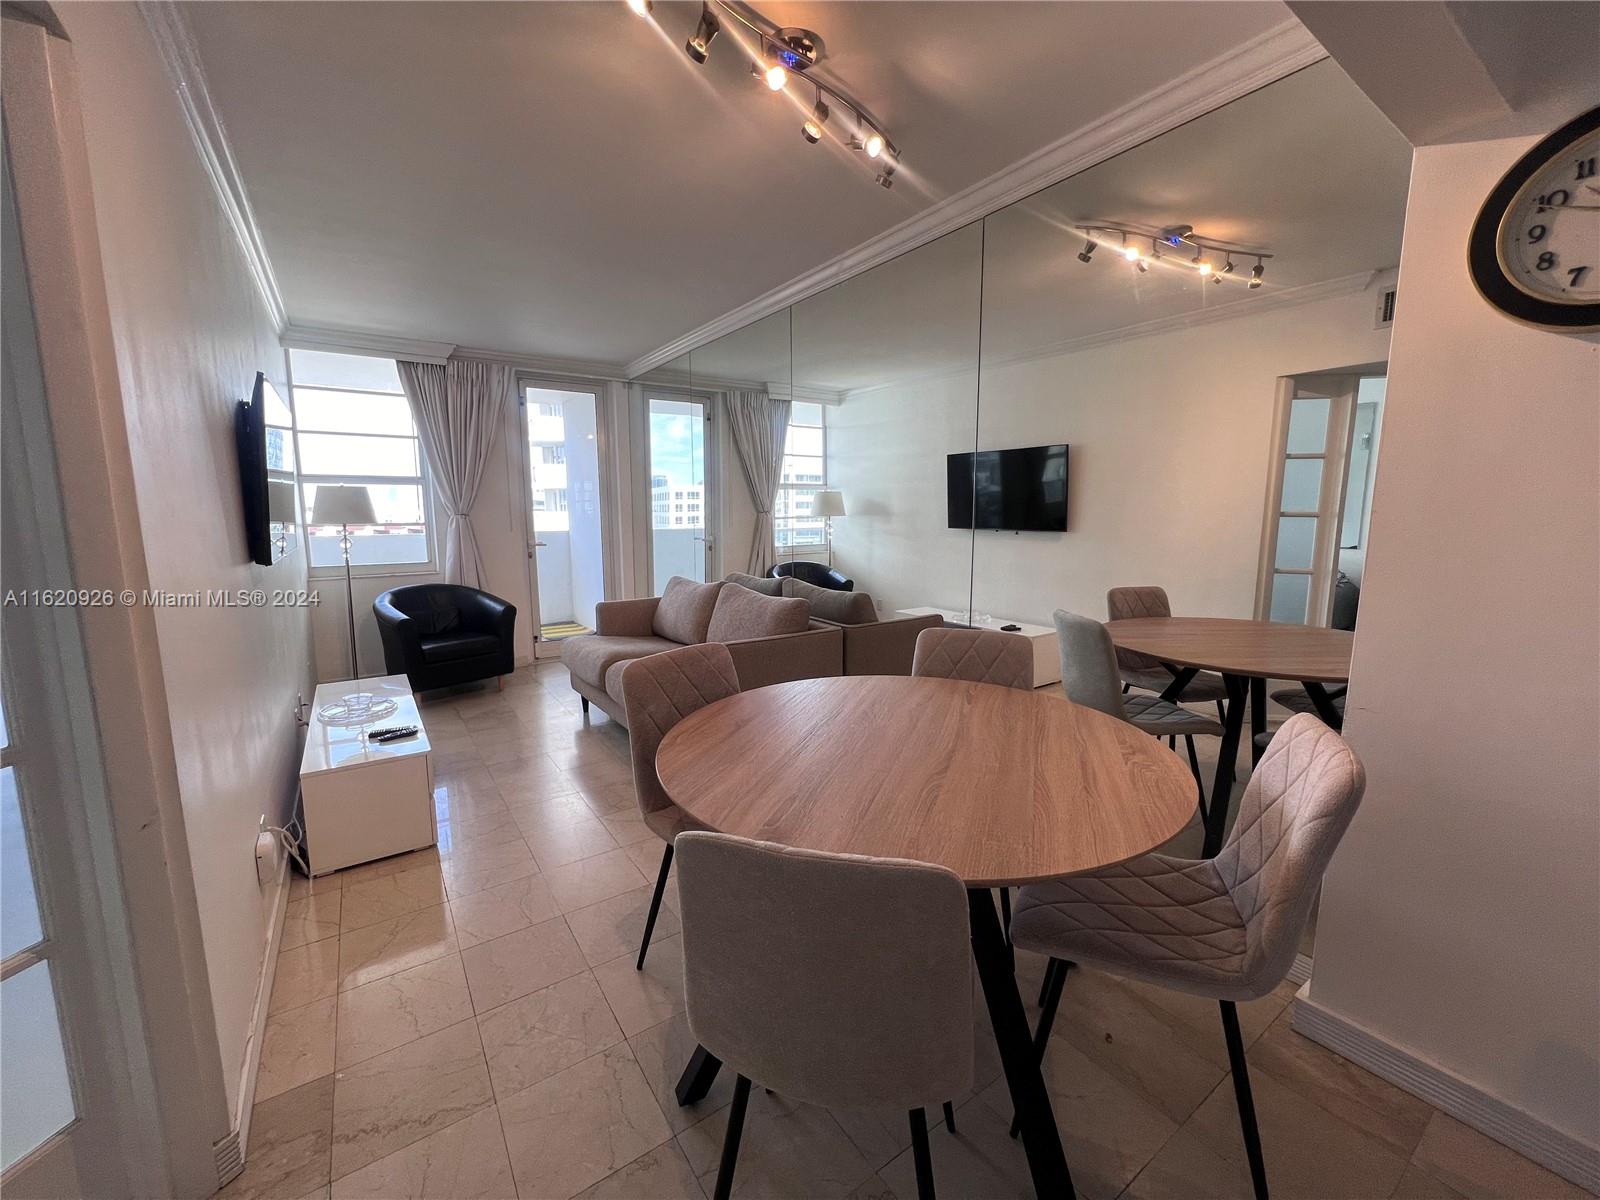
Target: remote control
column 1010, row 628
column 392, row 734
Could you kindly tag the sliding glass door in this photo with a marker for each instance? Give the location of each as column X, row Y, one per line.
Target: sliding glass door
column 681, row 474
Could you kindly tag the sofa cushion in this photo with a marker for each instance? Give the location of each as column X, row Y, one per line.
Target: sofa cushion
column 767, row 587
column 685, row 610
column 590, row 656
column 742, row 614
column 453, row 647
column 842, row 608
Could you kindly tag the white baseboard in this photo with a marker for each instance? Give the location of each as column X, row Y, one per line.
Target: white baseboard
column 1301, row 970
column 1451, row 1094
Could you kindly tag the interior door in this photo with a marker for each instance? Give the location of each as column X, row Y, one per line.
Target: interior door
column 681, row 478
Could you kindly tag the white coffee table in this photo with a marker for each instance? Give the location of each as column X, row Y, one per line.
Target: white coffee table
column 1046, row 650
column 365, row 800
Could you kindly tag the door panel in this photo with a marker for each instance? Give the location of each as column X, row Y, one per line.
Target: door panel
column 682, row 531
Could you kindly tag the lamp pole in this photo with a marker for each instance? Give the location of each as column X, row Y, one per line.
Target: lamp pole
column 350, row 598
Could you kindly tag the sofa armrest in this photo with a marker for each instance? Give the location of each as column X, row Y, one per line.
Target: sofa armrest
column 626, row 618
column 815, row 653
column 885, row 647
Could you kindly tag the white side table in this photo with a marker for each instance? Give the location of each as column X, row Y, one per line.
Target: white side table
column 365, row 800
column 1046, row 649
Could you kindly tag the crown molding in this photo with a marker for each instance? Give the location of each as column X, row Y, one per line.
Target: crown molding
column 356, row 341
column 175, row 44
column 544, row 364
column 1279, row 51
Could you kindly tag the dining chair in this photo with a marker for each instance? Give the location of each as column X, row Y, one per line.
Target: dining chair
column 1226, row 928
column 658, row 691
column 1143, row 671
column 974, row 655
column 832, row 979
column 1089, row 675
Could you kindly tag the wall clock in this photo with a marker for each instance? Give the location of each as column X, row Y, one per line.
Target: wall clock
column 1534, row 252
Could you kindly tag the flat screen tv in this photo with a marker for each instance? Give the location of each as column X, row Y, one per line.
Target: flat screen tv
column 1024, row 489
column 263, row 432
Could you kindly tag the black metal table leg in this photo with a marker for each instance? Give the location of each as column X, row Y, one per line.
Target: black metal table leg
column 698, row 1076
column 1227, row 758
column 1258, row 717
column 1331, row 716
column 1182, row 677
column 1047, row 1162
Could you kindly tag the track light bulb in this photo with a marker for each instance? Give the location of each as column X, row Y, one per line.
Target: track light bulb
column 886, row 177
column 812, row 129
column 642, row 7
column 698, row 47
column 1141, row 265
column 1204, row 268
column 1131, row 253
column 1089, row 247
column 1255, row 275
column 776, row 76
column 874, row 144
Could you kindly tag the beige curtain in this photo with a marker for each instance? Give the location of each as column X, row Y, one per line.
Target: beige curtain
column 458, row 409
column 759, row 424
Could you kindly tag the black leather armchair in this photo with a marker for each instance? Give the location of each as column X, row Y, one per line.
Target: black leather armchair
column 441, row 634
column 815, row 573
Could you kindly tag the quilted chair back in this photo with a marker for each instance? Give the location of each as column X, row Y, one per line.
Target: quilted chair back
column 974, row 655
column 1089, row 664
column 1125, row 602
column 660, row 690
column 882, row 1018
column 1300, row 800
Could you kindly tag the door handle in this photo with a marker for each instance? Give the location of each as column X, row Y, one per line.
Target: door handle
column 540, row 545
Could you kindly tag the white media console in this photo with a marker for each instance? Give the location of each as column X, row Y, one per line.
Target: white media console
column 1046, row 651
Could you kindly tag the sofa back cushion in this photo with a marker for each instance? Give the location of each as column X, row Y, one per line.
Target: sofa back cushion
column 684, row 613
column 741, row 614
column 767, row 587
column 842, row 608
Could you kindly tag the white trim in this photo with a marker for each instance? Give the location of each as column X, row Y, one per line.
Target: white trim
column 546, row 365
column 176, row 46
column 1270, row 56
column 1451, row 1094
column 1300, row 969
column 355, row 341
column 228, row 1155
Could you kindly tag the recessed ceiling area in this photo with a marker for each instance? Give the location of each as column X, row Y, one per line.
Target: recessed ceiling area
column 559, row 179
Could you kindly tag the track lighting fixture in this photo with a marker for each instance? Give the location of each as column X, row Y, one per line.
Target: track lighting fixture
column 1089, row 247
column 1203, row 261
column 1129, row 252
column 1255, row 274
column 777, row 52
column 1227, row 267
column 698, row 47
column 1140, row 265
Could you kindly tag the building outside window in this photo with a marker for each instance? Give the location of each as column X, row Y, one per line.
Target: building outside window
column 353, row 427
column 804, row 474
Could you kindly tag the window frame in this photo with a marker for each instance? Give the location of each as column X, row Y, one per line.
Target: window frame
column 423, row 480
column 822, row 543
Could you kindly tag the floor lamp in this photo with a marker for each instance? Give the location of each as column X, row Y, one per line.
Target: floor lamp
column 344, row 506
column 828, row 504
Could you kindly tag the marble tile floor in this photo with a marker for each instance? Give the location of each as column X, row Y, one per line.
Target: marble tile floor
column 466, row 1022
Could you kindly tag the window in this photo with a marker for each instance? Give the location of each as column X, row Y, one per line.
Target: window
column 354, row 427
column 804, row 474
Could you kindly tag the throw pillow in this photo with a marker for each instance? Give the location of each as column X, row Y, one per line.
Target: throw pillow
column 685, row 610
column 741, row 614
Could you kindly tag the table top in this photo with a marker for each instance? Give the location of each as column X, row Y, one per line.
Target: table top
column 954, row 616
column 999, row 785
column 333, row 747
column 1266, row 649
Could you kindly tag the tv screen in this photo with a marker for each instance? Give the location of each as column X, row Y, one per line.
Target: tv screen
column 263, row 429
column 1023, row 489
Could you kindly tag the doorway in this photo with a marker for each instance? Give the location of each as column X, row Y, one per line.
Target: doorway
column 681, row 473
column 566, row 520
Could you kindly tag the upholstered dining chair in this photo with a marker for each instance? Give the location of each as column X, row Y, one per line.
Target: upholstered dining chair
column 974, row 655
column 658, row 691
column 1089, row 675
column 830, row 978
column 1142, row 671
column 1226, row 928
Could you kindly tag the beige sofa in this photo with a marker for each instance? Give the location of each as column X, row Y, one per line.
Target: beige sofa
column 772, row 639
column 871, row 646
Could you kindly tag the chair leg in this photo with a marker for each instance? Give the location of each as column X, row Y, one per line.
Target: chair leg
column 584, row 700
column 655, row 905
column 1005, row 911
column 921, row 1154
column 1241, row 1093
column 1055, row 981
column 1194, row 765
column 949, row 1116
column 730, row 1141
column 1222, row 713
column 1125, row 688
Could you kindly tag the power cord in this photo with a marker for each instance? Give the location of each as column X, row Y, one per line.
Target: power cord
column 289, row 838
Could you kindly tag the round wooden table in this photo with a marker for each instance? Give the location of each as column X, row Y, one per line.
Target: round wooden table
column 1246, row 654
column 1001, row 786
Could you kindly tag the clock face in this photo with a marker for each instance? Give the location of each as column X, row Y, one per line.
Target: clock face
column 1549, row 239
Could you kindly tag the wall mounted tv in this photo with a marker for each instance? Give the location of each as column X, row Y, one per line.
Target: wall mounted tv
column 1023, row 489
column 262, row 428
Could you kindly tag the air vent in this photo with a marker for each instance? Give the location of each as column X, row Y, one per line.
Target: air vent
column 229, row 1158
column 1385, row 313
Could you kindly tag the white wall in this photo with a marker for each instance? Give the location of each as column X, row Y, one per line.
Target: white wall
column 1167, row 474
column 191, row 331
column 1458, row 921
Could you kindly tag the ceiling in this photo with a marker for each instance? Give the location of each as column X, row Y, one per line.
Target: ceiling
column 1306, row 169
column 558, row 179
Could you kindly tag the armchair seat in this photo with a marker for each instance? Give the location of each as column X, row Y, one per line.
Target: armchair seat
column 815, row 573
column 453, row 647
column 441, row 634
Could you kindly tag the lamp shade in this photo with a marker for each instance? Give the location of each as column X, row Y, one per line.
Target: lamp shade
column 828, row 503
column 280, row 501
column 342, row 504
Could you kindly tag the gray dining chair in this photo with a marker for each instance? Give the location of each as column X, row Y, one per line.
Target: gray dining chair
column 974, row 655
column 833, row 979
column 1090, row 676
column 1143, row 671
column 658, row 691
column 1228, row 927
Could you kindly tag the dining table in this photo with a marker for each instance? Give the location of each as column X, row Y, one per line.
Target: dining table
column 1003, row 787
column 1246, row 654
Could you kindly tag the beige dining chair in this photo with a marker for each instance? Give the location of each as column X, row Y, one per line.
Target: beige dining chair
column 1141, row 670
column 833, row 979
column 1089, row 675
column 1228, row 927
column 974, row 655
column 658, row 691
